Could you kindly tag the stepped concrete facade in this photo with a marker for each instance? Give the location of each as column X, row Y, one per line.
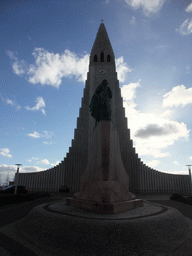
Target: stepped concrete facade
column 142, row 179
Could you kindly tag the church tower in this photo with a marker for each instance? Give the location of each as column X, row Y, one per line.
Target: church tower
column 101, row 66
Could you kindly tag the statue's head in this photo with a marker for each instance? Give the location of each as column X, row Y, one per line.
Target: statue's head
column 105, row 82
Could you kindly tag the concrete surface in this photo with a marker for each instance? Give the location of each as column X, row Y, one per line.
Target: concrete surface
column 57, row 229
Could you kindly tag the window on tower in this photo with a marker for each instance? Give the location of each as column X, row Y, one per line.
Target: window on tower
column 95, row 58
column 108, row 58
column 102, row 57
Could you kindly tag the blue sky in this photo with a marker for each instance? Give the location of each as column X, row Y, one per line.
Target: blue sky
column 44, row 56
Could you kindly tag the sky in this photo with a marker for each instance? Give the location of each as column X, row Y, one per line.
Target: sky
column 44, row 58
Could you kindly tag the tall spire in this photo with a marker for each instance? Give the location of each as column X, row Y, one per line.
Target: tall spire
column 102, row 44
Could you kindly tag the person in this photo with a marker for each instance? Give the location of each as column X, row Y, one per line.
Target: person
column 100, row 105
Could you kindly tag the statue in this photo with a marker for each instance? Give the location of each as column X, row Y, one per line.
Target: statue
column 100, row 105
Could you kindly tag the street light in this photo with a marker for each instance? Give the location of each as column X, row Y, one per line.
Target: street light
column 17, row 178
column 189, row 169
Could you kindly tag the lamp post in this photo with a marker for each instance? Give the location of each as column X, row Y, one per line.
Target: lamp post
column 17, row 178
column 189, row 169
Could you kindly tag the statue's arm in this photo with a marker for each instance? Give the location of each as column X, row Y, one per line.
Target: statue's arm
column 98, row 89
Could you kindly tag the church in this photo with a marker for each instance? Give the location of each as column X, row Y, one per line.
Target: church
column 142, row 178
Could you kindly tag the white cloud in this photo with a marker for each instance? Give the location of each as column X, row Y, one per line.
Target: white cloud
column 19, row 67
column 153, row 163
column 176, row 163
column 44, row 161
column 32, row 159
column 13, row 103
column 186, row 27
column 190, row 157
column 122, row 69
column 179, row 95
column 149, row 7
column 40, row 105
column 50, row 68
column 129, row 91
column 34, row 135
column 10, row 102
column 47, row 135
column 5, row 152
column 189, row 8
column 56, row 163
column 162, row 131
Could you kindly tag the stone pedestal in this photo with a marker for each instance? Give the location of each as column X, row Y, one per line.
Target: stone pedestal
column 104, row 185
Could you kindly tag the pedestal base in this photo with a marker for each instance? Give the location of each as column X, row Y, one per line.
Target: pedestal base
column 108, row 208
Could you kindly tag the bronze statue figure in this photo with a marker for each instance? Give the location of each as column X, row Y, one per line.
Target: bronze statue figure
column 100, row 105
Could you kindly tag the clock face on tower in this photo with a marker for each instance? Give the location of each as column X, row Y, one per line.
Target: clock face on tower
column 101, row 71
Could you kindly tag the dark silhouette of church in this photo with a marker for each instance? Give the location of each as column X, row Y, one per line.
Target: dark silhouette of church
column 143, row 179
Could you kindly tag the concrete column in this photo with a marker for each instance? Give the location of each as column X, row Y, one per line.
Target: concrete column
column 55, row 178
column 29, row 181
column 164, row 183
column 156, row 182
column 39, row 181
column 42, row 180
column 52, row 178
column 189, row 184
column 175, row 183
column 153, row 180
column 142, row 178
column 62, row 170
column 178, row 184
column 63, row 175
column 149, row 179
column 185, row 184
column 59, row 178
column 145, row 178
column 168, row 183
column 180, row 187
column 41, row 188
column 32, row 182
column 171, row 183
column 46, row 180
column 36, row 177
column 66, row 172
column 160, row 182
column 56, row 186
column 139, row 175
